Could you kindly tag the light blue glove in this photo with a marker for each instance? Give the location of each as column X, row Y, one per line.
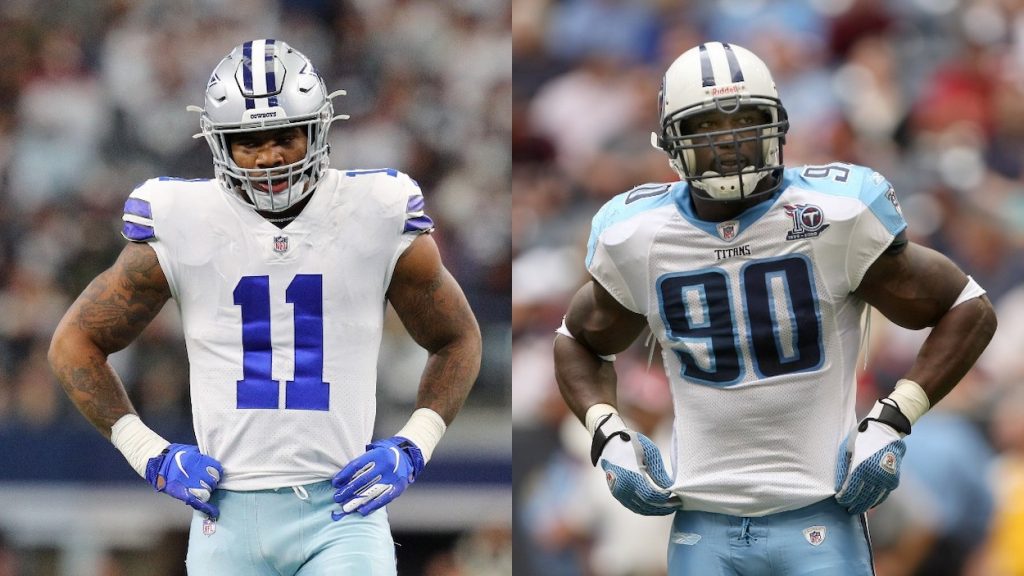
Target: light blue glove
column 182, row 471
column 634, row 469
column 377, row 477
column 869, row 459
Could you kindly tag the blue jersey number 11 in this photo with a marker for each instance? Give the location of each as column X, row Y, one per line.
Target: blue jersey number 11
column 257, row 388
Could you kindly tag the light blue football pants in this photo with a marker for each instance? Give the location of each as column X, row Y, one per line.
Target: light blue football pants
column 822, row 539
column 280, row 533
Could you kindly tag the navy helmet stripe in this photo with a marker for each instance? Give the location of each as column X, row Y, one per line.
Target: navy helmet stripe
column 247, row 74
column 734, row 65
column 247, row 70
column 269, row 59
column 705, row 67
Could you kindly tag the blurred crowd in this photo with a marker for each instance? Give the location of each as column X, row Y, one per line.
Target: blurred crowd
column 94, row 97
column 929, row 93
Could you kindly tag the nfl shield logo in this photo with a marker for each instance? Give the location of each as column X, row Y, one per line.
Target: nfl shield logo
column 280, row 244
column 815, row 535
column 728, row 230
column 209, row 527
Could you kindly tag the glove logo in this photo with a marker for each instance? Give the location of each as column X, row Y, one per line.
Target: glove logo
column 815, row 535
column 177, row 460
column 888, row 463
column 609, row 477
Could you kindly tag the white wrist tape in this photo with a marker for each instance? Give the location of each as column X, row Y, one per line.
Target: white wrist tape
column 564, row 331
column 424, row 429
column 971, row 290
column 594, row 415
column 136, row 441
column 911, row 399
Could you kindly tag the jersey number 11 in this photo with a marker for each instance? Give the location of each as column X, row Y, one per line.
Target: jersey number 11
column 257, row 388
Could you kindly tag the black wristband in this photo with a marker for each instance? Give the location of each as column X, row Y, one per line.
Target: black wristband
column 600, row 439
column 890, row 415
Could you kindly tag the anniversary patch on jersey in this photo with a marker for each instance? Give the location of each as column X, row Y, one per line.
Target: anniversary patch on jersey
column 808, row 221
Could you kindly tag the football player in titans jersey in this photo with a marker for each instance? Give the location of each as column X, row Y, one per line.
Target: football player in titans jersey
column 281, row 269
column 755, row 278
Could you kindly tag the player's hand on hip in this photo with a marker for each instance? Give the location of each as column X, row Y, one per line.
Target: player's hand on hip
column 634, row 469
column 377, row 477
column 185, row 473
column 869, row 460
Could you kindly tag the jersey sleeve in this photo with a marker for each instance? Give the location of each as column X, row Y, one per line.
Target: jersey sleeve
column 137, row 219
column 398, row 192
column 878, row 225
column 601, row 258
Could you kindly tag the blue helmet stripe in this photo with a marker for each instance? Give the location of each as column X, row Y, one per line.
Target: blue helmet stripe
column 734, row 65
column 706, row 72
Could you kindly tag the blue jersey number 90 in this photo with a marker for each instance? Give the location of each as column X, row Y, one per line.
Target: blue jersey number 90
column 784, row 333
column 257, row 388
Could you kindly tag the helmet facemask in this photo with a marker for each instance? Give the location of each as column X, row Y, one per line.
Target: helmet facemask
column 302, row 176
column 736, row 168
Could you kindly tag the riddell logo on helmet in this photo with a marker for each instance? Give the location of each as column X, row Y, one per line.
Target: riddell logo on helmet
column 723, row 90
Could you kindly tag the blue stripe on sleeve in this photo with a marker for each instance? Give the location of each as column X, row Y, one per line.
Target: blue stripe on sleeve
column 418, row 224
column 137, row 232
column 138, row 207
column 415, row 204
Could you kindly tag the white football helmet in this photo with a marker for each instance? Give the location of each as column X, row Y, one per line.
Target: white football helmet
column 262, row 85
column 723, row 77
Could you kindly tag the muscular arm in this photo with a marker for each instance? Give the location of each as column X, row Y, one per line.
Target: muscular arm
column 434, row 310
column 111, row 312
column 915, row 289
column 600, row 326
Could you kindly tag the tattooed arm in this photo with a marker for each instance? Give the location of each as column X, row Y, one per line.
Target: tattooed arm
column 111, row 312
column 434, row 310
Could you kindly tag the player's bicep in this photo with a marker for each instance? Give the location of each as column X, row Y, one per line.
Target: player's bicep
column 599, row 322
column 119, row 303
column 428, row 300
column 913, row 287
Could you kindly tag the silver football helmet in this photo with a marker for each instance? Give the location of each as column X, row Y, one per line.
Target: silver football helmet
column 726, row 78
column 263, row 85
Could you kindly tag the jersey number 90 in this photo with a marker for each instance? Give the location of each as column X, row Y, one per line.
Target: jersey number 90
column 779, row 308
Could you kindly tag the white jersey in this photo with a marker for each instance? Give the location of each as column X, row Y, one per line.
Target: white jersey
column 759, row 327
column 282, row 327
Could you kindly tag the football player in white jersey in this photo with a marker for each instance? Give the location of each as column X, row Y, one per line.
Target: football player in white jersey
column 755, row 278
column 281, row 269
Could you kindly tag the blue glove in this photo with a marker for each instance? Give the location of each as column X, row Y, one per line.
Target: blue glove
column 633, row 468
column 869, row 459
column 182, row 471
column 377, row 477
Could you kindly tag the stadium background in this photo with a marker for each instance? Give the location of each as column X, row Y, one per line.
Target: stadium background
column 928, row 92
column 94, row 97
